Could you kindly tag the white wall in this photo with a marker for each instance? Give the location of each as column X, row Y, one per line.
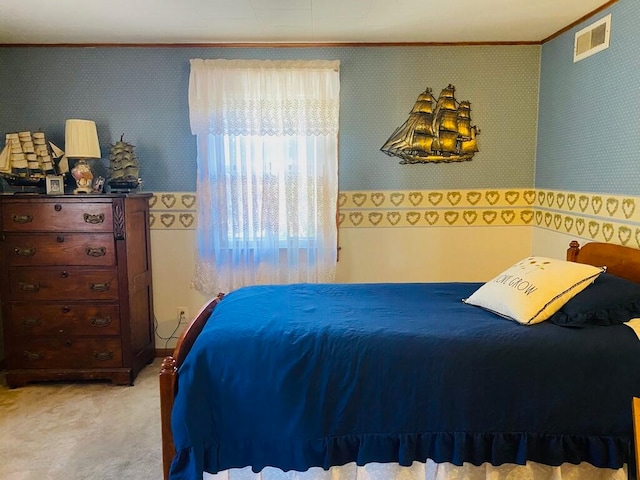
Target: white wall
column 434, row 254
column 553, row 244
column 172, row 262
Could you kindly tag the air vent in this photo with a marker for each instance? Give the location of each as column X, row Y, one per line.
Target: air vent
column 592, row 39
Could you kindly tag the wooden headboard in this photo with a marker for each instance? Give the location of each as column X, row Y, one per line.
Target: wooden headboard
column 619, row 260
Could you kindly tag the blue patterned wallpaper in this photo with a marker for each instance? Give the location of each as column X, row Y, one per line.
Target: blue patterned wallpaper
column 142, row 92
column 588, row 133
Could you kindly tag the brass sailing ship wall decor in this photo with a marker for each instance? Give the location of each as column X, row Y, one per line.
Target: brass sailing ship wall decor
column 437, row 131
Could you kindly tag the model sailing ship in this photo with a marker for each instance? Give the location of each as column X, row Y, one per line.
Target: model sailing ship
column 27, row 159
column 123, row 169
column 436, row 131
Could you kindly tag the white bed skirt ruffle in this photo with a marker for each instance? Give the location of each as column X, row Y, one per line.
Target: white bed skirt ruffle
column 431, row 471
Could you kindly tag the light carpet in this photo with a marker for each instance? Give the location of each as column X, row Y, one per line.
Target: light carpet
column 79, row 431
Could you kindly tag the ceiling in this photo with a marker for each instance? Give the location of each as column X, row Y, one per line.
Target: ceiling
column 286, row 21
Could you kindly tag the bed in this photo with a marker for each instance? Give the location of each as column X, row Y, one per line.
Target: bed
column 368, row 381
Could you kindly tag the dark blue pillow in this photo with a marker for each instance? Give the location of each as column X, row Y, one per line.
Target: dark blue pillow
column 610, row 300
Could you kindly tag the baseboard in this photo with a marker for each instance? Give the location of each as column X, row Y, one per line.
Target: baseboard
column 163, row 352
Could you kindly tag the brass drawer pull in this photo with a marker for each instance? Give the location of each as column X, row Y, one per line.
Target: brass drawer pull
column 22, row 218
column 100, row 322
column 94, row 218
column 26, row 251
column 57, row 207
column 96, row 251
column 68, row 343
column 33, row 355
column 31, row 322
column 99, row 287
column 60, row 239
column 29, row 287
column 103, row 356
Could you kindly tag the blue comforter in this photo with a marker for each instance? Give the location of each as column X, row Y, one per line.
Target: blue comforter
column 319, row 375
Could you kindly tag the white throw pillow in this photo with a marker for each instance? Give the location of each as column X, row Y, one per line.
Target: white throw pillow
column 534, row 289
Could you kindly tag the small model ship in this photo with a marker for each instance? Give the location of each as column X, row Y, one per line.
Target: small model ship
column 123, row 169
column 440, row 133
column 28, row 158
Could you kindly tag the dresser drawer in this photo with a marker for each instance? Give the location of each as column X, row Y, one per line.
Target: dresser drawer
column 91, row 249
column 63, row 319
column 68, row 284
column 57, row 216
column 60, row 352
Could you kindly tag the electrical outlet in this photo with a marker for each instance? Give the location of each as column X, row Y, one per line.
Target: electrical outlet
column 183, row 315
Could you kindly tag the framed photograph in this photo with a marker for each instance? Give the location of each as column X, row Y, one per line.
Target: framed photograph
column 98, row 185
column 55, row 185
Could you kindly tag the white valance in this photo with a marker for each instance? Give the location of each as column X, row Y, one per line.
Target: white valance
column 222, row 100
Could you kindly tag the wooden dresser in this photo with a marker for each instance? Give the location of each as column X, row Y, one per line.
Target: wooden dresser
column 76, row 287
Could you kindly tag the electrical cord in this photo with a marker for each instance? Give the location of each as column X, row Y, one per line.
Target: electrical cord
column 167, row 339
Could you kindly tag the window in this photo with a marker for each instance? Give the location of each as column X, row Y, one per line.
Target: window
column 267, row 171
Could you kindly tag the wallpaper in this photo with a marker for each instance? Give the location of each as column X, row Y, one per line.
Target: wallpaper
column 142, row 94
column 173, row 211
column 385, row 209
column 435, row 208
column 588, row 133
column 591, row 216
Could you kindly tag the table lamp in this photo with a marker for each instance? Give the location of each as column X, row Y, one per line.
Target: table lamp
column 81, row 142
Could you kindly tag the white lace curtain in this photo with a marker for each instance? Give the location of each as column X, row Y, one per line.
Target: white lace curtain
column 267, row 183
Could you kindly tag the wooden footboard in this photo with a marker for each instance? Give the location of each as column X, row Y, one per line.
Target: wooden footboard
column 169, row 376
